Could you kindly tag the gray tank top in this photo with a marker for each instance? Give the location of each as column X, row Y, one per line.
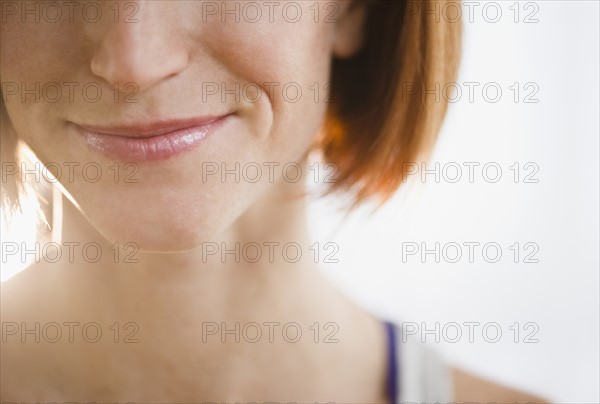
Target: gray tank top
column 416, row 373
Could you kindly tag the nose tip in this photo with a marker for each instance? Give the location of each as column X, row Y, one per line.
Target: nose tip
column 135, row 63
column 140, row 53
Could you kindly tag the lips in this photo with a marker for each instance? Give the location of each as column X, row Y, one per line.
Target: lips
column 149, row 141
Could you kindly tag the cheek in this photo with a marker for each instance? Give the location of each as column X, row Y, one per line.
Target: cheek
column 38, row 62
column 291, row 63
column 39, row 52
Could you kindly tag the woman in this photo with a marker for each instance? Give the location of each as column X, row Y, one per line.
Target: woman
column 196, row 119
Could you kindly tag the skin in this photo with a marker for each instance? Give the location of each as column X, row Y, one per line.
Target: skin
column 173, row 291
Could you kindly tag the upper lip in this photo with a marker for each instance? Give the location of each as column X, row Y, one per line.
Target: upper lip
column 151, row 128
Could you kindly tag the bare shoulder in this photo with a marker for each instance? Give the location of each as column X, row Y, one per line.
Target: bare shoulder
column 470, row 388
column 23, row 293
column 18, row 298
column 27, row 300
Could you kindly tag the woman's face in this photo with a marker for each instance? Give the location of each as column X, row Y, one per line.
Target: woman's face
column 166, row 120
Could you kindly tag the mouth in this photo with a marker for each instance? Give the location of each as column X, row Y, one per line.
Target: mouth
column 149, row 141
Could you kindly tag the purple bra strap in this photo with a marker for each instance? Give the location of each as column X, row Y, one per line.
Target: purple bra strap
column 392, row 372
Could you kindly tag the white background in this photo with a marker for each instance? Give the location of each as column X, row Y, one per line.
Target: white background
column 559, row 213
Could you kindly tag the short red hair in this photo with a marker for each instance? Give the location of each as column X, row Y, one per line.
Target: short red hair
column 375, row 126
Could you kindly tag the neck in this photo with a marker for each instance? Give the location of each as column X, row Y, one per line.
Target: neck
column 179, row 299
column 257, row 253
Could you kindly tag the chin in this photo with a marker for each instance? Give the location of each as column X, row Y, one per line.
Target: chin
column 157, row 237
column 160, row 223
column 154, row 232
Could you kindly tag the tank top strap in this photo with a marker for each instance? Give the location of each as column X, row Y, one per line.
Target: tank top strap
column 415, row 372
column 392, row 362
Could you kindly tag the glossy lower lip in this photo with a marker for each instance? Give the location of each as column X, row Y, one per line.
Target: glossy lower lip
column 149, row 142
